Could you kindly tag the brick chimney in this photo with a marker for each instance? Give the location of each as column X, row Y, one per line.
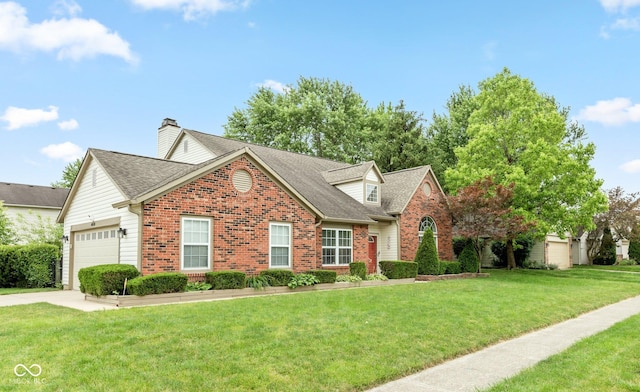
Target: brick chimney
column 167, row 134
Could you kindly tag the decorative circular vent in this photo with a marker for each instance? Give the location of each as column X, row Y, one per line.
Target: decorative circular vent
column 242, row 180
column 426, row 188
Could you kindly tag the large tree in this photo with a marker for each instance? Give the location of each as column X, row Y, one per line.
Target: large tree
column 518, row 135
column 69, row 174
column 7, row 235
column 318, row 117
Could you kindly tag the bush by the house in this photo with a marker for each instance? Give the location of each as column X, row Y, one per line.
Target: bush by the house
column 324, row 276
column 277, row 277
column 521, row 249
column 607, row 253
column 198, row 286
column 28, row 265
column 399, row 269
column 223, row 280
column 302, row 280
column 634, row 250
column 160, row 283
column 258, row 282
column 427, row 255
column 105, row 279
column 450, row 267
column 348, row 278
column 469, row 259
column 358, row 268
column 376, row 277
column 458, row 245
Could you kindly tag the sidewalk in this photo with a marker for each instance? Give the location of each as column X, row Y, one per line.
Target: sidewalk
column 480, row 370
column 69, row 298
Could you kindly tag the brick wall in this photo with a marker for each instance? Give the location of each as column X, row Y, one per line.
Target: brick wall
column 435, row 206
column 240, row 223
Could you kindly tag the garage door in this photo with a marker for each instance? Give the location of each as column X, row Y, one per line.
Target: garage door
column 559, row 254
column 94, row 247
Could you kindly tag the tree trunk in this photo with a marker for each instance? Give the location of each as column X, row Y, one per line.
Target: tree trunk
column 511, row 258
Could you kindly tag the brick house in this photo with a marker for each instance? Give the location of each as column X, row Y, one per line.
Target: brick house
column 210, row 203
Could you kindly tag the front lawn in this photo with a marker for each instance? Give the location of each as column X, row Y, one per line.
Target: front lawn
column 625, row 268
column 17, row 290
column 606, row 362
column 318, row 341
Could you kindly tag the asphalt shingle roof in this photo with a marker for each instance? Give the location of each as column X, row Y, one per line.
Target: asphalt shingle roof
column 32, row 195
column 399, row 186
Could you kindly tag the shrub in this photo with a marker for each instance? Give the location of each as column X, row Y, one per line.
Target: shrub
column 348, row 278
column 399, row 269
column 28, row 265
column 469, row 259
column 277, row 277
column 324, row 276
column 259, row 282
column 521, row 250
column 634, row 249
column 376, row 277
column 427, row 255
column 10, row 273
column 198, row 286
column 223, row 280
column 160, row 283
column 458, row 245
column 358, row 268
column 302, row 280
column 626, row 262
column 450, row 267
column 105, row 279
column 534, row 265
column 607, row 253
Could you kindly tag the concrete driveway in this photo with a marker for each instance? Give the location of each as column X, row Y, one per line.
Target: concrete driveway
column 69, row 298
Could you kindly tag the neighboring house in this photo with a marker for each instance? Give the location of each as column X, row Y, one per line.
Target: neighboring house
column 554, row 250
column 210, row 203
column 579, row 250
column 25, row 203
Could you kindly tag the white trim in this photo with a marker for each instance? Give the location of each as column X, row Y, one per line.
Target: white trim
column 289, row 246
column 184, row 243
column 337, row 247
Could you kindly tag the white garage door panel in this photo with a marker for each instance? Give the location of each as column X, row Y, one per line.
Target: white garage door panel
column 559, row 254
column 94, row 247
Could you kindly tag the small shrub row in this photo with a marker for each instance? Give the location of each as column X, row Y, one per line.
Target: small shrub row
column 358, row 268
column 449, row 267
column 28, row 265
column 160, row 283
column 106, row 279
column 302, row 280
column 324, row 276
column 399, row 269
column 348, row 278
column 277, row 277
column 224, row 280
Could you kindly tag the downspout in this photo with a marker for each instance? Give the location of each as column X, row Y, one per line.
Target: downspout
column 137, row 210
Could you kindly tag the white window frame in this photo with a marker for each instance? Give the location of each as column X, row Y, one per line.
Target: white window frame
column 376, row 188
column 288, row 246
column 424, row 225
column 337, row 247
column 184, row 243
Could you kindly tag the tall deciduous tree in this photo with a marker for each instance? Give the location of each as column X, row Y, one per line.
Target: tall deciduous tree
column 518, row 135
column 318, row 117
column 6, row 228
column 69, row 174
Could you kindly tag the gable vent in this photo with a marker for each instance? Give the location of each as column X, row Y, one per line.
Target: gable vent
column 242, row 180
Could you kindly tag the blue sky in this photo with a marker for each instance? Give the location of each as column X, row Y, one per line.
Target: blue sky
column 103, row 74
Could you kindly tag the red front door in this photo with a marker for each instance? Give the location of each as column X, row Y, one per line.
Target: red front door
column 372, row 264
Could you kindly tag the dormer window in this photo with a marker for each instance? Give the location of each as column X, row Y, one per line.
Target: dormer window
column 372, row 193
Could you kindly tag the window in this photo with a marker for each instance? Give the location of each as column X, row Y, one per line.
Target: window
column 279, row 245
column 425, row 224
column 372, row 193
column 196, row 242
column 336, row 247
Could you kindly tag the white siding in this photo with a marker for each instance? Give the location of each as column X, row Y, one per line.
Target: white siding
column 537, row 252
column 372, row 176
column 95, row 204
column 195, row 152
column 30, row 217
column 353, row 189
column 387, row 240
column 166, row 136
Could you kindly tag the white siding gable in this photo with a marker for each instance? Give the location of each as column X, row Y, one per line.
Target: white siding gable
column 353, row 189
column 93, row 203
column 189, row 150
column 372, row 176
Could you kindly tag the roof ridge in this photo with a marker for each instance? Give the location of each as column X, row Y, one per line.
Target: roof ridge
column 31, row 185
column 141, row 156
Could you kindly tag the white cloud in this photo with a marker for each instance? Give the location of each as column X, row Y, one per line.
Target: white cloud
column 631, row 166
column 72, row 38
column 68, row 125
column 66, row 151
column 193, row 9
column 619, row 5
column 19, row 117
column 66, row 7
column 616, row 111
column 626, row 24
column 273, row 85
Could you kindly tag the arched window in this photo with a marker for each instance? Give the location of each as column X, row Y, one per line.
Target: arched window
column 425, row 224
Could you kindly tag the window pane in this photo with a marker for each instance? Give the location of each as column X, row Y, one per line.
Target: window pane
column 196, row 240
column 328, row 256
column 345, row 256
column 345, row 238
column 279, row 235
column 372, row 193
column 195, row 256
column 328, row 238
column 280, row 256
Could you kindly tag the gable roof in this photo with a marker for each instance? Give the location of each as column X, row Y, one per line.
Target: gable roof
column 399, row 187
column 350, row 173
column 24, row 195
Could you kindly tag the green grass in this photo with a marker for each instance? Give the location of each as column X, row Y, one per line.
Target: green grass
column 16, row 290
column 318, row 341
column 607, row 362
column 625, row 268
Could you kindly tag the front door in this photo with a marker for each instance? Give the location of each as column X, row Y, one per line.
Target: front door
column 372, row 264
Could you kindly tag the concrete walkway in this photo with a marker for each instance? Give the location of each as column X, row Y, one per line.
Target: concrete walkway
column 484, row 368
column 69, row 298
